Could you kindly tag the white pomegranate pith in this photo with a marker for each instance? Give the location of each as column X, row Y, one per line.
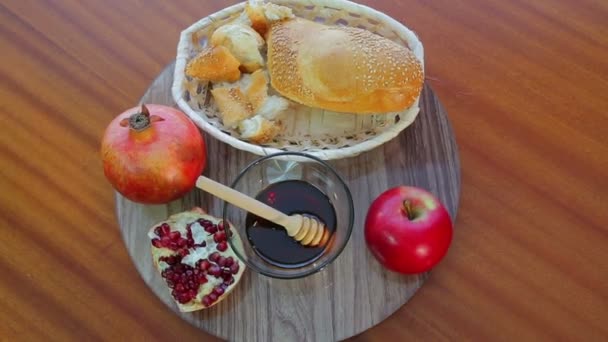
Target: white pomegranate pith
column 192, row 254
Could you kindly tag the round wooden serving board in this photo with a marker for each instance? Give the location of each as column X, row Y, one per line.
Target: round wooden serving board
column 352, row 294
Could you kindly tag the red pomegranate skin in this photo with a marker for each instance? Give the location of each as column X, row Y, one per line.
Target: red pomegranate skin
column 158, row 163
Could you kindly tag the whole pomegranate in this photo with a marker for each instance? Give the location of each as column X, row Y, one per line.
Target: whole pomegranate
column 152, row 154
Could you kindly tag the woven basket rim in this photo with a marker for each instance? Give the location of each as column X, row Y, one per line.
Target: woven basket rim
column 325, row 154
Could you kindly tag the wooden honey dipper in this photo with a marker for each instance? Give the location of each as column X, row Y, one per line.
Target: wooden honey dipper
column 306, row 230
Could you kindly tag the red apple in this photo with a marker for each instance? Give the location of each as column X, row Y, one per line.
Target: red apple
column 408, row 230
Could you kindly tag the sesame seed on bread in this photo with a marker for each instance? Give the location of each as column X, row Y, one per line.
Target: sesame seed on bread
column 343, row 69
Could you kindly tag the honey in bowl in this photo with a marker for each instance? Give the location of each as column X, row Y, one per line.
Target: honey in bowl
column 271, row 242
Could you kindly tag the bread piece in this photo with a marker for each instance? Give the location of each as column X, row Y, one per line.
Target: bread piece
column 243, row 42
column 257, row 91
column 195, row 254
column 262, row 15
column 258, row 129
column 214, row 64
column 240, row 100
column 272, row 107
column 253, row 86
column 256, row 16
column 233, row 105
column 243, row 83
column 343, row 69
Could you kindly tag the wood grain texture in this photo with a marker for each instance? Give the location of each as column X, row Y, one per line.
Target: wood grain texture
column 524, row 85
column 353, row 293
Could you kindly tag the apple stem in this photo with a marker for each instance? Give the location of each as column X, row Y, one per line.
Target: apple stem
column 141, row 120
column 409, row 211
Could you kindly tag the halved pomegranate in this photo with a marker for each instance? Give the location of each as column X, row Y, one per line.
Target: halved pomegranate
column 192, row 255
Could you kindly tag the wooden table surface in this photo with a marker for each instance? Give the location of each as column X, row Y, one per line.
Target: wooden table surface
column 525, row 85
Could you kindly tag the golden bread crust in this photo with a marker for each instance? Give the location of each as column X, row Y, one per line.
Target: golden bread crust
column 233, row 104
column 258, row 89
column 259, row 129
column 342, row 69
column 243, row 42
column 215, row 64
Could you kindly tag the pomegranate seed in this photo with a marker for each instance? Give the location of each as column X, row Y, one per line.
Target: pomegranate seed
column 164, row 229
column 181, row 243
column 205, row 223
column 165, row 241
column 183, row 298
column 157, row 231
column 229, row 261
column 223, row 286
column 184, row 280
column 229, row 281
column 222, row 246
column 219, row 236
column 173, row 245
column 221, row 261
column 190, row 241
column 215, row 270
column 207, row 301
column 213, row 297
column 218, row 291
column 234, row 268
column 211, row 229
column 204, row 265
column 174, row 236
column 157, row 243
column 226, row 274
column 221, row 225
column 214, row 256
column 183, row 252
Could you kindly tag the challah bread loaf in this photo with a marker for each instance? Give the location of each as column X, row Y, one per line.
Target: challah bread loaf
column 343, row 69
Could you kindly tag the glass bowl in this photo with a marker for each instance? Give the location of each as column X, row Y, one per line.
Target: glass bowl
column 292, row 182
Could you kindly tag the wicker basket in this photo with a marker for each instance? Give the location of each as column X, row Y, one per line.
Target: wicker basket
column 324, row 134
